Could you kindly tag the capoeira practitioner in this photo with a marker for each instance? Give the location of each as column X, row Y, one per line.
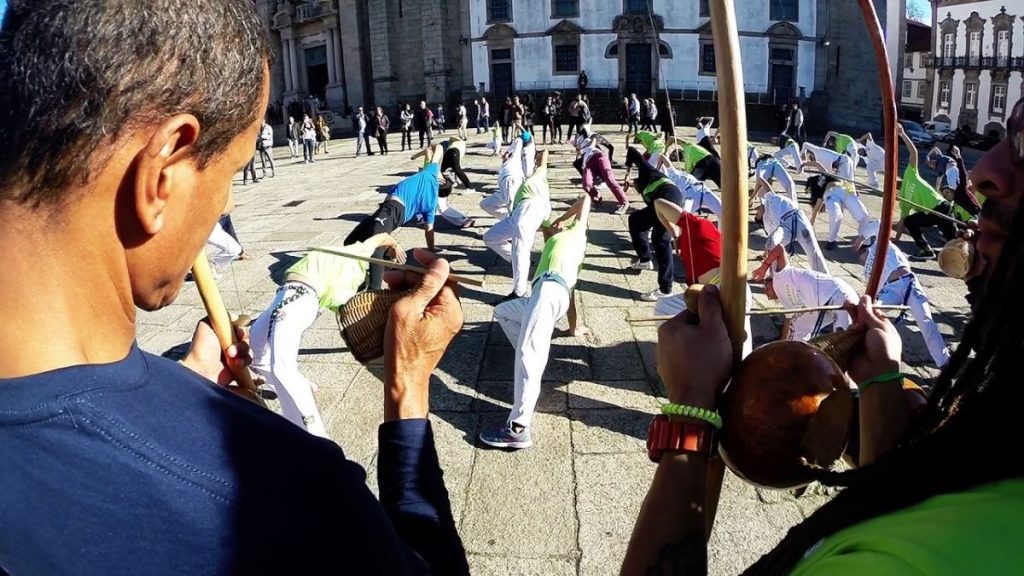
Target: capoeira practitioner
column 451, row 168
column 222, row 247
column 512, row 237
column 696, row 196
column 788, row 152
column 785, row 224
column 702, row 164
column 654, row 144
column 839, row 196
column 797, row 287
column 651, row 184
column 454, row 151
column 918, row 192
column 767, row 169
column 595, row 167
column 529, row 322
column 582, row 135
column 704, row 138
column 510, row 178
column 317, row 281
column 842, row 143
column 901, row 287
column 413, row 198
column 874, row 158
column 494, row 145
column 809, row 152
column 529, row 152
column 699, row 245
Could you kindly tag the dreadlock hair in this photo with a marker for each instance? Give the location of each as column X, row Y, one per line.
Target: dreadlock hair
column 972, row 410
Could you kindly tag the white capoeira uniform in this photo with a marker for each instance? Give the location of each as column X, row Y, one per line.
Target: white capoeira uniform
column 696, row 196
column 674, row 305
column 785, row 223
column 529, row 157
column 451, row 214
column 529, row 322
column 222, row 248
column 512, row 238
column 875, row 162
column 277, row 332
column 824, row 156
column 789, row 153
column 840, row 196
column 510, row 178
column 900, row 287
column 769, row 169
column 802, row 288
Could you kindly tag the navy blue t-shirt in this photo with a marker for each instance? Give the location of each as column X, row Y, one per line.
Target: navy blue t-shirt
column 144, row 467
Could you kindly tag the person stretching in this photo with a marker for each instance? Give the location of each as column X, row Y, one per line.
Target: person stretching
column 785, row 224
column 696, row 196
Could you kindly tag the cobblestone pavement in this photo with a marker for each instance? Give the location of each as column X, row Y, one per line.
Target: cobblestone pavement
column 567, row 505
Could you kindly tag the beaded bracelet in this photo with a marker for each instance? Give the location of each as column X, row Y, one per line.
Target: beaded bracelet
column 886, row 377
column 702, row 414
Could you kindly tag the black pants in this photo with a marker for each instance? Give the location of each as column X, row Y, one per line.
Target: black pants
column 453, row 160
column 710, row 168
column 250, row 168
column 382, row 143
column 504, row 133
column 647, row 219
column 425, row 135
column 366, row 139
column 706, row 144
column 406, row 137
column 918, row 221
column 556, row 130
column 389, row 217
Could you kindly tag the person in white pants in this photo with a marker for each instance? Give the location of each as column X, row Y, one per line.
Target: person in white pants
column 317, row 281
column 512, row 238
column 840, row 196
column 824, row 156
column 222, row 249
column 529, row 154
column 901, row 287
column 797, row 287
column 785, row 223
column 696, row 196
column 789, row 153
column 768, row 169
column 529, row 322
column 874, row 159
column 510, row 178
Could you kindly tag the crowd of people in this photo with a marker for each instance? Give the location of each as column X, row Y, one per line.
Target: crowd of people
column 118, row 461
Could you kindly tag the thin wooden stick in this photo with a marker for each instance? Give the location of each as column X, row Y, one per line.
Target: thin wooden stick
column 220, row 321
column 397, row 266
column 780, row 312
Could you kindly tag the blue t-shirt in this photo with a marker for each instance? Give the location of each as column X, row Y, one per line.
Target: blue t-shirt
column 419, row 194
column 144, row 467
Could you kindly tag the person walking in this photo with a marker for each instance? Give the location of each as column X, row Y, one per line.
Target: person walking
column 668, row 122
column 463, row 120
column 645, row 115
column 582, row 81
column 439, row 119
column 634, row 115
column 795, row 123
column 383, row 125
column 308, row 139
column 294, row 137
column 250, row 168
column 556, row 117
column 406, row 116
column 479, row 116
column 323, row 133
column 370, row 131
column 505, row 120
column 360, row 125
column 546, row 118
column 623, row 114
column 265, row 145
column 485, row 114
column 574, row 116
column 423, row 120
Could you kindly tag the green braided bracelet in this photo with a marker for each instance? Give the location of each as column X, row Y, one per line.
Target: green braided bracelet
column 702, row 414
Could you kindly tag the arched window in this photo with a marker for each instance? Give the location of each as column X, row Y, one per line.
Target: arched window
column 664, row 50
column 612, row 50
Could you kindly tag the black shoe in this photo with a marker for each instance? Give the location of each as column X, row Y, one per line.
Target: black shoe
column 511, row 296
column 924, row 254
column 830, row 245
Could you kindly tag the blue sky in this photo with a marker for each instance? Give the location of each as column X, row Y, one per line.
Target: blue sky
column 3, row 8
column 922, row 7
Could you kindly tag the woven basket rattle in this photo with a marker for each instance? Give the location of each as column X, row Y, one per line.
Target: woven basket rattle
column 363, row 321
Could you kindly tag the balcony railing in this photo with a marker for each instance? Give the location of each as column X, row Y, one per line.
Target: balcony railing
column 980, row 62
column 310, row 11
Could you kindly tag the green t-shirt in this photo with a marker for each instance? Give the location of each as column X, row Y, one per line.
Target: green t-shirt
column 336, row 279
column 918, row 191
column 563, row 254
column 975, row 532
column 651, row 142
column 535, row 186
column 693, row 154
column 842, row 142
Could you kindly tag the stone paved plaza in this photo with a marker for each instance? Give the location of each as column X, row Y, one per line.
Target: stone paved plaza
column 567, row 505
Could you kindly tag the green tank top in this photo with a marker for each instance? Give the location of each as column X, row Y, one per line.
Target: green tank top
column 694, row 154
column 563, row 254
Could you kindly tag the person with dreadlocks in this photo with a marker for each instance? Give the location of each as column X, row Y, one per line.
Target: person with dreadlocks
column 596, row 167
column 908, row 508
column 839, row 196
column 651, row 184
column 696, row 196
column 796, row 287
column 785, row 225
column 915, row 193
column 900, row 286
column 317, row 282
column 529, row 322
column 767, row 169
column 512, row 237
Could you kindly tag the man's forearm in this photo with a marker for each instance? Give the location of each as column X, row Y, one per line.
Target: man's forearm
column 429, row 236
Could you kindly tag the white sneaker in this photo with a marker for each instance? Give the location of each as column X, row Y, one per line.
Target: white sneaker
column 654, row 295
column 641, row 265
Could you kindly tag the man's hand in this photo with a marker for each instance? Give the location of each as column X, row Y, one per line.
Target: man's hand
column 396, row 253
column 882, row 344
column 205, row 358
column 419, row 329
column 694, row 356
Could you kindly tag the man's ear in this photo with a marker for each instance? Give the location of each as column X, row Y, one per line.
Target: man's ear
column 162, row 165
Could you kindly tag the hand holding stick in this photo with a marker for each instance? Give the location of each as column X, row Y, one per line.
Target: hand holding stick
column 397, row 266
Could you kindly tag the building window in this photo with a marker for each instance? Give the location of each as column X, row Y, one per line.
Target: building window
column 998, row 98
column 636, row 7
column 970, row 96
column 501, row 54
column 704, row 10
column 664, row 52
column 499, row 11
column 707, row 59
column 567, row 59
column 1003, row 43
column 565, row 8
column 921, row 89
column 944, row 92
column 947, row 46
column 974, row 45
column 788, row 10
column 612, row 51
column 908, row 60
column 908, row 88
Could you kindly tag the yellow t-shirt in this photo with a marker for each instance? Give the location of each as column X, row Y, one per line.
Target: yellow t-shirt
column 563, row 254
column 336, row 279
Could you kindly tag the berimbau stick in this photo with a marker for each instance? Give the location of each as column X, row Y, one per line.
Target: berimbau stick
column 397, row 266
column 781, row 312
